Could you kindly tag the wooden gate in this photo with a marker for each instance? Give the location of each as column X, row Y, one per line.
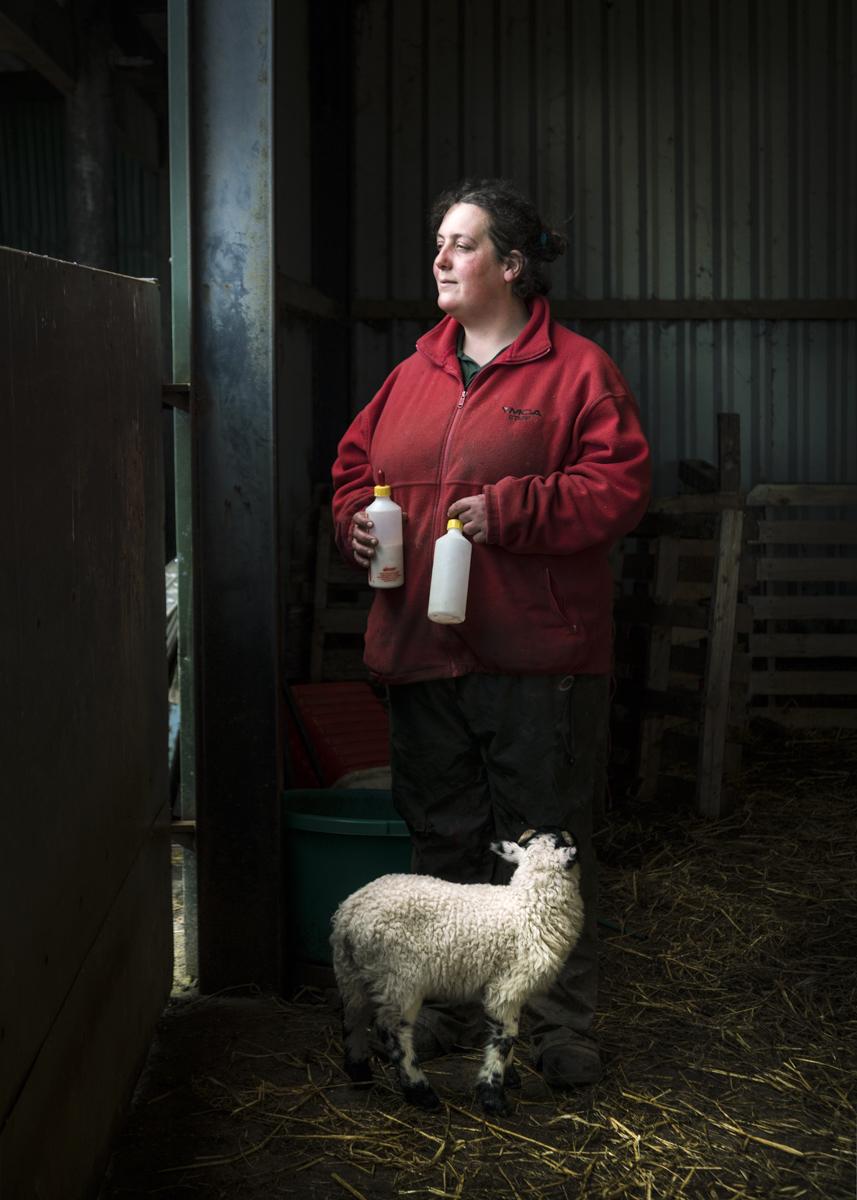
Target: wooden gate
column 85, row 920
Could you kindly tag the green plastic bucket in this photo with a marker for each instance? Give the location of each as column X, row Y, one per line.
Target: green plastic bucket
column 337, row 839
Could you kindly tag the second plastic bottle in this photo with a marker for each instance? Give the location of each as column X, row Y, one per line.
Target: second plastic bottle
column 450, row 575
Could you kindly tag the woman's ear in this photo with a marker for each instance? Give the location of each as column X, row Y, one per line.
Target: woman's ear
column 513, row 266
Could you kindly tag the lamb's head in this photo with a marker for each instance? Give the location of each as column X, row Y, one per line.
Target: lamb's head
column 544, row 848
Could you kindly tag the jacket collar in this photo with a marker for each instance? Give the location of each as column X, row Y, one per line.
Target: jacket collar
column 440, row 344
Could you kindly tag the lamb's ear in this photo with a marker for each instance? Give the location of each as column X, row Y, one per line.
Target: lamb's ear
column 508, row 851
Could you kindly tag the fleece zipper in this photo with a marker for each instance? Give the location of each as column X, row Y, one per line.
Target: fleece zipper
column 444, row 455
column 456, row 413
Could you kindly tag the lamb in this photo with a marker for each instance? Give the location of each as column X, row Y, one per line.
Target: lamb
column 405, row 938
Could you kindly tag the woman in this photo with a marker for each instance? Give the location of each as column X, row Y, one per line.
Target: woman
column 529, row 435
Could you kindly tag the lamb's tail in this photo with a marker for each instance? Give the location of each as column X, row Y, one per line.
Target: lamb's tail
column 345, row 965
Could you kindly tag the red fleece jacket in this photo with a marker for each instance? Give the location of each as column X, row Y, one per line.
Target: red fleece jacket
column 548, row 431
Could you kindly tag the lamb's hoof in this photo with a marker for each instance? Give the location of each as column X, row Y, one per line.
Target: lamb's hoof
column 511, row 1078
column 422, row 1095
column 493, row 1099
column 358, row 1071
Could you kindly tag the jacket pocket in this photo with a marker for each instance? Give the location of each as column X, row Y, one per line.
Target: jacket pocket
column 572, row 624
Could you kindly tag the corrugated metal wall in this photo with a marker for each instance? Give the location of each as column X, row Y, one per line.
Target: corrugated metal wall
column 32, row 176
column 137, row 217
column 33, row 210
column 696, row 150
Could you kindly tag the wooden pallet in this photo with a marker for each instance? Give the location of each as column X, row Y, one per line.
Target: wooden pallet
column 804, row 641
column 691, row 682
column 683, row 571
column 341, row 601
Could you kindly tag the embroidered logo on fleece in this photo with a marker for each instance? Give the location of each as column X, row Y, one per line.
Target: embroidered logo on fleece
column 521, row 414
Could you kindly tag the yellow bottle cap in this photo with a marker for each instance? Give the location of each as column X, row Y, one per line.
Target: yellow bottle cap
column 382, row 489
column 453, row 524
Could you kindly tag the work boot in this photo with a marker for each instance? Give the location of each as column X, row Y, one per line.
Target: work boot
column 432, row 1038
column 568, row 1060
column 439, row 1031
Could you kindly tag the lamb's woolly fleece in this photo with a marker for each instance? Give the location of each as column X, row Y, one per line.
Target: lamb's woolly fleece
column 414, row 936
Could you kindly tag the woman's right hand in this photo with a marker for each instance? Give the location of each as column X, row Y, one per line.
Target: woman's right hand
column 362, row 542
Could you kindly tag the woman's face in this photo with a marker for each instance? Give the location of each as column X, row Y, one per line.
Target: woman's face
column 471, row 279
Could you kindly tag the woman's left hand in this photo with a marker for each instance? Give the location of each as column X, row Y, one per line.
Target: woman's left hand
column 471, row 512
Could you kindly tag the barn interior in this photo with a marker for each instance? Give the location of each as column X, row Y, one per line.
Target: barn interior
column 214, row 249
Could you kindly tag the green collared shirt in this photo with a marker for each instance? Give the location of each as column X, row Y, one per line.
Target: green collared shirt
column 469, row 366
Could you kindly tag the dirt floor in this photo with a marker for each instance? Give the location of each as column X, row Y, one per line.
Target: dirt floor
column 728, row 1026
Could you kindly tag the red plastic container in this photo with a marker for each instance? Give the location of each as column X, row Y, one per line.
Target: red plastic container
column 346, row 725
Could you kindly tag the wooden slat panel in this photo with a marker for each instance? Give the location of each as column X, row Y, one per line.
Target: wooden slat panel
column 690, row 660
column 695, row 565
column 340, row 574
column 795, row 608
column 343, row 663
column 810, row 718
column 658, row 666
column 676, row 703
column 681, row 525
column 639, row 609
column 342, row 620
column 688, row 665
column 714, row 503
column 699, row 475
column 806, row 570
column 803, row 645
column 803, row 495
column 805, row 533
column 691, row 590
column 740, row 672
column 341, row 604
column 698, row 547
column 688, row 637
column 678, row 616
column 715, row 710
column 803, row 683
column 637, row 566
column 683, row 748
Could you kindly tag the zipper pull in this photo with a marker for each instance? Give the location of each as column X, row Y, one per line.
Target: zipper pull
column 461, row 399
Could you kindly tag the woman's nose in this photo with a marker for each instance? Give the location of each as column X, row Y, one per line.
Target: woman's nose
column 442, row 256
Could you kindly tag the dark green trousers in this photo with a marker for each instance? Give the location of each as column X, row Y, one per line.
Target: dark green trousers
column 483, row 757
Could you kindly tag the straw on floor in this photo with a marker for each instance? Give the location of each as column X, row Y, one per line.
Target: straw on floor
column 728, row 1025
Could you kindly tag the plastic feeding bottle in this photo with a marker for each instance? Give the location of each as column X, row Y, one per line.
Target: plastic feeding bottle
column 449, row 576
column 387, row 565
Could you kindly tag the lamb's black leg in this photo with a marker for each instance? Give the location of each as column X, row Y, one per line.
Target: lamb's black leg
column 398, row 1039
column 511, row 1078
column 497, row 1069
column 357, row 1069
column 356, row 1014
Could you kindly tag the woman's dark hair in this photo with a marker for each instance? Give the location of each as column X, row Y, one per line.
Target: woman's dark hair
column 513, row 224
